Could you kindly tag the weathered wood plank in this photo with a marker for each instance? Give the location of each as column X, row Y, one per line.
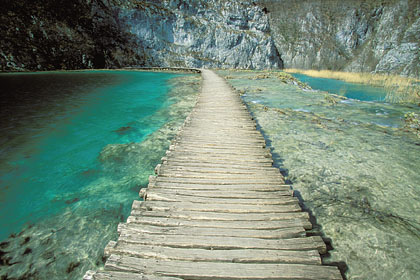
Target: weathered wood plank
column 221, row 152
column 247, row 191
column 204, row 270
column 289, row 232
column 207, row 143
column 227, row 160
column 221, row 141
column 221, row 181
column 203, row 255
column 220, row 162
column 260, row 225
column 224, row 243
column 217, row 132
column 223, row 191
column 173, row 163
column 214, row 216
column 214, row 207
column 199, row 197
column 201, row 176
column 218, row 170
column 118, row 275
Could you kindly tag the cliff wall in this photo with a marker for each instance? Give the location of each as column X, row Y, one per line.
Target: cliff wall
column 354, row 35
column 48, row 34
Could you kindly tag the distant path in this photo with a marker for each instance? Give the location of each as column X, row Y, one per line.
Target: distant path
column 217, row 209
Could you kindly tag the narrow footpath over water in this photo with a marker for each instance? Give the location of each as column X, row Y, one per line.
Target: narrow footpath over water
column 217, row 208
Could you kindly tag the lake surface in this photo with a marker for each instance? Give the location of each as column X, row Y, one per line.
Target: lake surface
column 349, row 90
column 75, row 149
column 354, row 167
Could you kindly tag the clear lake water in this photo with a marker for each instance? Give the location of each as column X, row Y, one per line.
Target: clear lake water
column 75, row 149
column 349, row 90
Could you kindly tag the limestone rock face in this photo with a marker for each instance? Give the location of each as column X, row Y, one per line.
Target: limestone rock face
column 224, row 34
column 42, row 35
column 367, row 36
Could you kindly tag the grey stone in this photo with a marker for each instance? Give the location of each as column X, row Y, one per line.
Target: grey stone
column 363, row 36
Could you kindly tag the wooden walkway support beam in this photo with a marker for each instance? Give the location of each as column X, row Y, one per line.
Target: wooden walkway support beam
column 217, row 208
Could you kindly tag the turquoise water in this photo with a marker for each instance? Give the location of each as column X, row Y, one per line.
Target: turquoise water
column 349, row 90
column 354, row 167
column 74, row 152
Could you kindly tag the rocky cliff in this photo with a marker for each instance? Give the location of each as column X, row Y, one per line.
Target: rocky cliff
column 355, row 35
column 99, row 33
column 215, row 33
column 61, row 34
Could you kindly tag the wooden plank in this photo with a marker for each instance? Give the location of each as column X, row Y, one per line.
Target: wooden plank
column 289, row 232
column 277, row 177
column 260, row 225
column 213, row 216
column 221, row 181
column 235, row 169
column 214, row 207
column 215, row 159
column 247, row 190
column 220, row 141
column 213, row 143
column 118, row 275
column 225, row 164
column 209, row 151
column 222, row 191
column 203, row 255
column 210, row 270
column 224, row 243
column 219, row 133
column 222, row 154
column 199, row 197
column 220, row 162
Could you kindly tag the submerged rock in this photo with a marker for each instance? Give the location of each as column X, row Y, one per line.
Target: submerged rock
column 123, row 130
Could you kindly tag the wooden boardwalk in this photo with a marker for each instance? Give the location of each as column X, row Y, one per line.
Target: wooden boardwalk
column 217, row 209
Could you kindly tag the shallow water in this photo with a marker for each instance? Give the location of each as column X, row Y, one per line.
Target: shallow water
column 349, row 90
column 354, row 167
column 76, row 148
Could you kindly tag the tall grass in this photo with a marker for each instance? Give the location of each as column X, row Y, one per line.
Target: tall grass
column 399, row 89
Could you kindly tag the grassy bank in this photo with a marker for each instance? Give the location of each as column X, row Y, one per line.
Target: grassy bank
column 399, row 89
